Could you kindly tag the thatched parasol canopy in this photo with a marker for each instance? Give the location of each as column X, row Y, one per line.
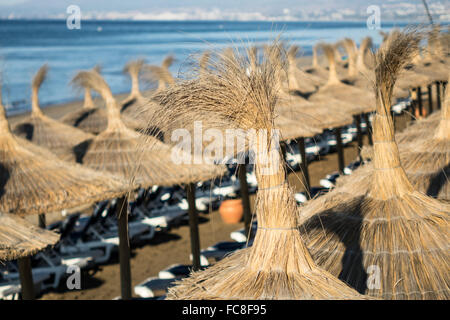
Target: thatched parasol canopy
column 427, row 159
column 44, row 131
column 297, row 79
column 316, row 69
column 433, row 65
column 425, row 153
column 378, row 234
column 142, row 160
column 316, row 114
column 90, row 118
column 34, row 181
column 359, row 74
column 137, row 107
column 419, row 129
column 19, row 238
column 277, row 266
column 290, row 129
column 362, row 100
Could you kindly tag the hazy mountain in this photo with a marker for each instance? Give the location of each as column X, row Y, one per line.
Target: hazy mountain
column 391, row 10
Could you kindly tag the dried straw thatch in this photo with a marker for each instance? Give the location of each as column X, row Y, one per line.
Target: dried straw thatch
column 419, row 129
column 425, row 153
column 362, row 100
column 318, row 114
column 433, row 66
column 278, row 265
column 290, row 129
column 379, row 228
column 359, row 75
column 364, row 60
column 19, row 238
column 351, row 49
column 44, row 131
column 34, row 181
column 142, row 160
column 297, row 79
column 90, row 118
column 316, row 69
column 136, row 104
column 136, row 107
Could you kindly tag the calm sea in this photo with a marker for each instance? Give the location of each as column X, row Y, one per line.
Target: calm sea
column 26, row 45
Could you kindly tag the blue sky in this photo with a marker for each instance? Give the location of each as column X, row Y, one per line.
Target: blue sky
column 203, row 9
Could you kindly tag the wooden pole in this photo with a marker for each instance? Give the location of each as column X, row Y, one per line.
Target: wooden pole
column 193, row 226
column 359, row 136
column 340, row 149
column 368, row 128
column 242, row 175
column 41, row 220
column 419, row 100
column 304, row 167
column 26, row 278
column 124, row 248
column 430, row 99
column 438, row 95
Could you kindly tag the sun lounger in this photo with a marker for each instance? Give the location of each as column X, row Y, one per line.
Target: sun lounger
column 153, row 287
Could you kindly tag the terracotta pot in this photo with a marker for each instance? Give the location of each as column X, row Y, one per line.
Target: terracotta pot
column 231, row 211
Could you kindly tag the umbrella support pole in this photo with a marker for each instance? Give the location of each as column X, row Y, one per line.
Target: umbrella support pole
column 242, row 175
column 304, row 167
column 359, row 136
column 340, row 149
column 438, row 94
column 124, row 248
column 283, row 149
column 419, row 99
column 42, row 222
column 430, row 99
column 369, row 130
column 26, row 278
column 193, row 226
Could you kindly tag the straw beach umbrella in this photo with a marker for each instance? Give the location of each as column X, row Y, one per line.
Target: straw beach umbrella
column 90, row 118
column 136, row 107
column 143, row 161
column 320, row 114
column 34, row 181
column 427, row 160
column 45, row 131
column 316, row 69
column 357, row 102
column 298, row 80
column 425, row 153
column 317, row 115
column 361, row 99
column 19, row 240
column 380, row 235
column 133, row 69
column 277, row 265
